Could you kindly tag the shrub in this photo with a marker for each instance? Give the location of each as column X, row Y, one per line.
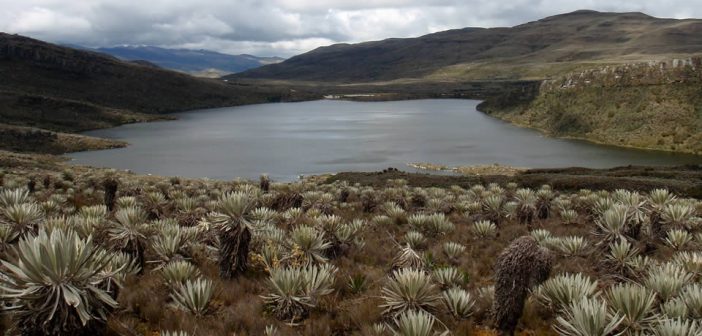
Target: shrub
column 458, row 303
column 526, row 205
column 193, row 296
column 129, row 232
column 414, row 323
column 415, row 239
column 621, row 255
column 692, row 296
column 613, row 223
column 447, row 277
column 540, row 235
column 55, row 283
column 678, row 215
column 311, row 244
column 674, row 308
column 408, row 258
column 587, row 317
column 573, row 246
column 523, row 264
column 22, row 217
column 453, row 251
column 569, row 216
column 409, row 289
column 677, row 327
column 484, row 229
column 438, row 224
column 562, row 290
column 168, row 244
column 294, row 290
column 678, row 239
column 10, row 197
column 178, row 272
column 691, row 261
column 493, row 207
column 635, row 304
column 357, row 283
column 233, row 229
column 667, row 280
column 173, row 333
column 125, row 202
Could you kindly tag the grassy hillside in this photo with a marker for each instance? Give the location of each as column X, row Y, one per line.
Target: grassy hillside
column 533, row 50
column 68, row 90
column 34, row 140
column 66, row 115
column 649, row 105
column 35, row 67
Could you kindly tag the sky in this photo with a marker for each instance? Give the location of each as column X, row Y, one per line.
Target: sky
column 285, row 27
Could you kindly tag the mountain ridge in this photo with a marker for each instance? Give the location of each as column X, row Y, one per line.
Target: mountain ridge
column 193, row 61
column 64, row 89
column 563, row 42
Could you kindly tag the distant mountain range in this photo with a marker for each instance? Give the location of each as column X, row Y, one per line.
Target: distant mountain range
column 534, row 50
column 204, row 63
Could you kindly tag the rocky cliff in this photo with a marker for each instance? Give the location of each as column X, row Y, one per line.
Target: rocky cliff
column 652, row 105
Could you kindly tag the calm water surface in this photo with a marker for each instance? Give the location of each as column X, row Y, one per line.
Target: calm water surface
column 288, row 139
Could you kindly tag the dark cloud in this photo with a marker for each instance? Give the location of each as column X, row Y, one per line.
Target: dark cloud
column 284, row 27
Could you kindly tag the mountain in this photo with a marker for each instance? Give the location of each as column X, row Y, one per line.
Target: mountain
column 199, row 62
column 68, row 90
column 533, row 50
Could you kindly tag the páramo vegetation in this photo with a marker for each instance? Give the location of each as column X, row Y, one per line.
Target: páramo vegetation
column 92, row 252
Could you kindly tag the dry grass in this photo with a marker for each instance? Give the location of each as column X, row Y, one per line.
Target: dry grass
column 237, row 306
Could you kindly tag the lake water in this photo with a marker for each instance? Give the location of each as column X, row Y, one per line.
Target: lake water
column 288, row 139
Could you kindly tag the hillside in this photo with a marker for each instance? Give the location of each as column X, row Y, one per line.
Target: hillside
column 655, row 105
column 34, row 140
column 196, row 62
column 68, row 90
column 533, row 50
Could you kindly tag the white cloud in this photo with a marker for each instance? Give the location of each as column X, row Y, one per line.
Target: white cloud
column 39, row 20
column 284, row 27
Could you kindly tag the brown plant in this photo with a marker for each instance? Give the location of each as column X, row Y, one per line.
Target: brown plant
column 522, row 265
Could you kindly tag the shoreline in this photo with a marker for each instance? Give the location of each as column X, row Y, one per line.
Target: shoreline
column 395, row 96
column 491, row 169
column 548, row 134
column 685, row 180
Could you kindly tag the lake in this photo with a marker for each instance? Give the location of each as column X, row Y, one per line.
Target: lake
column 285, row 140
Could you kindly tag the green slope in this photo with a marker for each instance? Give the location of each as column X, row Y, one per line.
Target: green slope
column 653, row 106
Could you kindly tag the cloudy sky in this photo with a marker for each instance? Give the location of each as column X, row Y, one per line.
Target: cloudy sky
column 284, row 27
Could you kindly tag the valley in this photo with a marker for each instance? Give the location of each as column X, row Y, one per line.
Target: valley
column 537, row 178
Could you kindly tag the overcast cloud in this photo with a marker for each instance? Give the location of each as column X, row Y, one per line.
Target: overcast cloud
column 284, row 27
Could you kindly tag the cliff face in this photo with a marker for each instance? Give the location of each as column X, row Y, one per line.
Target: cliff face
column 654, row 105
column 687, row 70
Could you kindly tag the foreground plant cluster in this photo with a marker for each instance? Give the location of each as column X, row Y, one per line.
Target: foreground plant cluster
column 99, row 252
